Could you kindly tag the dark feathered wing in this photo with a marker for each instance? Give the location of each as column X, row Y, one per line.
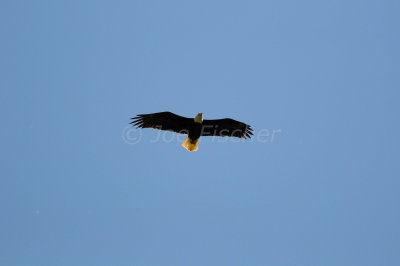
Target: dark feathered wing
column 163, row 121
column 226, row 128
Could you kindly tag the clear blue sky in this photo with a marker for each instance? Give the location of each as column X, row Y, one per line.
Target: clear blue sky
column 324, row 192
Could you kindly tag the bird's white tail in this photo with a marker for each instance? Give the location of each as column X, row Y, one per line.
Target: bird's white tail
column 191, row 145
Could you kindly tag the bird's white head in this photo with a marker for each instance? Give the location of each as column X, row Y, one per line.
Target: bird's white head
column 199, row 118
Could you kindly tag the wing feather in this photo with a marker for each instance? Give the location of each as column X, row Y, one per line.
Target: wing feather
column 226, row 127
column 163, row 121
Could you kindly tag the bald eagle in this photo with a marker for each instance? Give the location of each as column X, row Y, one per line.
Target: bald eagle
column 193, row 127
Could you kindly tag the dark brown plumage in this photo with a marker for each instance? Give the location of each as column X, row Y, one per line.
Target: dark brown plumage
column 194, row 128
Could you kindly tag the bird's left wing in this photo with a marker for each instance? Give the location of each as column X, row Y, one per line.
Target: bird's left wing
column 163, row 121
column 226, row 128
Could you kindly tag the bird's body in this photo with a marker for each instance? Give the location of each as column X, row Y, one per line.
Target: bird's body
column 192, row 141
column 193, row 127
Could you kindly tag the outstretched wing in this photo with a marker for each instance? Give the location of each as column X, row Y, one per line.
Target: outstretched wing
column 163, row 121
column 226, row 128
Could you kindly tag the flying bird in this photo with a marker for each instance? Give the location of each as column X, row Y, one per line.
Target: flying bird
column 193, row 127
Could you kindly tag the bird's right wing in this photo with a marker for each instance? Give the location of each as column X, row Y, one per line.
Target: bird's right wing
column 163, row 121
